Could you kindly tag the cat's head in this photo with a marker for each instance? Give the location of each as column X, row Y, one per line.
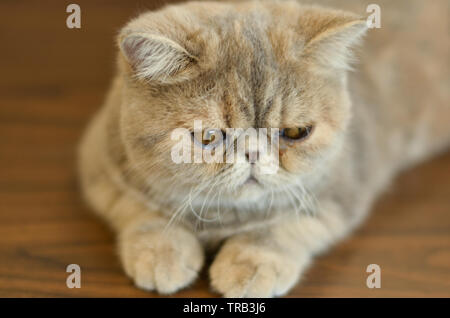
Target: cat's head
column 243, row 65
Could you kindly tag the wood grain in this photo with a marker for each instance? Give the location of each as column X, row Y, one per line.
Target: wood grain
column 54, row 78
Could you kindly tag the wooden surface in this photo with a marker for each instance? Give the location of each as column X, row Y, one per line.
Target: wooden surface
column 52, row 80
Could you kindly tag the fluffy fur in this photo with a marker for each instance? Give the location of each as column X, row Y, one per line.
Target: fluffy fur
column 256, row 64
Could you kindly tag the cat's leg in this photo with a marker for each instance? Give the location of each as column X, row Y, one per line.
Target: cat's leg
column 165, row 261
column 269, row 262
column 155, row 259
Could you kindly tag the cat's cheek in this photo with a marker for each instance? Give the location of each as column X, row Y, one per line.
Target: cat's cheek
column 294, row 161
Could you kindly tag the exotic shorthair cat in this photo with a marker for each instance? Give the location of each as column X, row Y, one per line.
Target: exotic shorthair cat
column 343, row 134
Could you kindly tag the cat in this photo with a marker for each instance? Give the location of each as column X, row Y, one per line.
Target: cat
column 346, row 129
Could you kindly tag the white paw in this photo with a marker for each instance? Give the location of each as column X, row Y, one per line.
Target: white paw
column 245, row 270
column 161, row 262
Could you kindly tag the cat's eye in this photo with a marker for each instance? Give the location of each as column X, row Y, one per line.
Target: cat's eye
column 299, row 133
column 209, row 138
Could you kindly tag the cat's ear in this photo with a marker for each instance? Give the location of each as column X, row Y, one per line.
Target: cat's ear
column 331, row 38
column 155, row 57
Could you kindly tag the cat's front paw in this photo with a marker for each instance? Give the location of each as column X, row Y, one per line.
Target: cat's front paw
column 242, row 269
column 165, row 262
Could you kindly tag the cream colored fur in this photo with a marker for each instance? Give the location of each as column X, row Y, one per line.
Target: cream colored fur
column 258, row 64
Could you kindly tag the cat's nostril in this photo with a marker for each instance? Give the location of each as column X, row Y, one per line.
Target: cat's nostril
column 252, row 156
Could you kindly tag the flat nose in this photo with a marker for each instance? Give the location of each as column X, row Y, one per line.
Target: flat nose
column 252, row 156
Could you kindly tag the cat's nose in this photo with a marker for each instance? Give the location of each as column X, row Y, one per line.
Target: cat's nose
column 252, row 156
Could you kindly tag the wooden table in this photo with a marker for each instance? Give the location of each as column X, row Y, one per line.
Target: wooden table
column 53, row 79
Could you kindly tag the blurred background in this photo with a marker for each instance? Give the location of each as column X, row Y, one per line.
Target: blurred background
column 52, row 79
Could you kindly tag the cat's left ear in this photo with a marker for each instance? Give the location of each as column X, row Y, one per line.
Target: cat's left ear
column 155, row 57
column 332, row 38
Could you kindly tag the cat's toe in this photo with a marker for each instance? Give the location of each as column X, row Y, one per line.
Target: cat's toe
column 250, row 271
column 165, row 271
column 162, row 263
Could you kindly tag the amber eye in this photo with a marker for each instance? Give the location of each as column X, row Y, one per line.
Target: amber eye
column 298, row 133
column 209, row 138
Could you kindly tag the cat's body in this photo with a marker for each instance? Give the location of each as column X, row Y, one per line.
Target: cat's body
column 259, row 65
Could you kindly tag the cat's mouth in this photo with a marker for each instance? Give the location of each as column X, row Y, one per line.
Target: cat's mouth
column 250, row 189
column 251, row 180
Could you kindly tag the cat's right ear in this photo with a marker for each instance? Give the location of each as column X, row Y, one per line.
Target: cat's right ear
column 156, row 58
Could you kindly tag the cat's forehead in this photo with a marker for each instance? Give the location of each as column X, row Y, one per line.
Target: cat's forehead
column 255, row 57
column 253, row 77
